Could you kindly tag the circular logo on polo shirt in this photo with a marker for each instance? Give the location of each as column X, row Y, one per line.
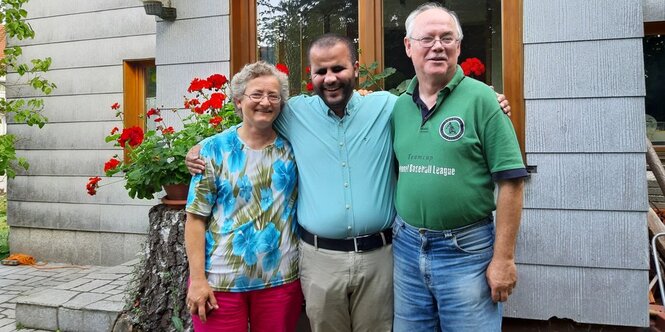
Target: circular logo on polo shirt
column 452, row 128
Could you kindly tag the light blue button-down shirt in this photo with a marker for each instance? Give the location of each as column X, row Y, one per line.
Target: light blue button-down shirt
column 346, row 173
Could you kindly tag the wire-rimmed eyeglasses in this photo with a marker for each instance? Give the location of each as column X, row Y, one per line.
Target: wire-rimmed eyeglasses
column 257, row 97
column 428, row 42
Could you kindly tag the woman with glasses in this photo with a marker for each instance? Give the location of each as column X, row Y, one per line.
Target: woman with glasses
column 240, row 230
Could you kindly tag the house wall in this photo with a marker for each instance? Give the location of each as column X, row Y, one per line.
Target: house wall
column 50, row 215
column 654, row 10
column 582, row 251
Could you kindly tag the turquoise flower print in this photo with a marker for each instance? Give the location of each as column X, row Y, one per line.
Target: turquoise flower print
column 244, row 244
column 243, row 282
column 267, row 239
column 226, row 198
column 191, row 193
column 266, row 198
column 279, row 143
column 284, row 176
column 227, row 226
column 277, row 279
column 268, row 242
column 271, row 260
column 245, row 187
column 216, row 155
column 210, row 242
column 236, row 158
column 210, row 198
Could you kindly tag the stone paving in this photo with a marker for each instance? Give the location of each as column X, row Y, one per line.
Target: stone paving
column 61, row 297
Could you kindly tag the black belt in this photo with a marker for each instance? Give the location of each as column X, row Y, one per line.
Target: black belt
column 361, row 243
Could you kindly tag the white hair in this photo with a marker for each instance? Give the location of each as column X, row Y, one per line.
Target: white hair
column 427, row 6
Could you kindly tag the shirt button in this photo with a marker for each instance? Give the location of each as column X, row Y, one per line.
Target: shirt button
column 341, row 143
column 348, row 206
column 343, row 164
column 346, row 184
column 349, row 228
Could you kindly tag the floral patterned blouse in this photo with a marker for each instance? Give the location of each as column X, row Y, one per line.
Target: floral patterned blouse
column 249, row 195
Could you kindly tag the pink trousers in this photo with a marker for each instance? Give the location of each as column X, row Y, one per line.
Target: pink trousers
column 273, row 309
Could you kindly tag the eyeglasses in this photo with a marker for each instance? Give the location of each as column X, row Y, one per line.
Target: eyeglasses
column 428, row 42
column 258, row 97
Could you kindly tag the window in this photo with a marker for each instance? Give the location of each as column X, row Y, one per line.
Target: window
column 654, row 75
column 139, row 91
column 285, row 29
column 492, row 29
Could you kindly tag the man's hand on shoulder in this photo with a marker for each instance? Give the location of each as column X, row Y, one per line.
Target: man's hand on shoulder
column 193, row 161
column 503, row 102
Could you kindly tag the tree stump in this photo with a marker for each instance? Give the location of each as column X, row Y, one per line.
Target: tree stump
column 156, row 301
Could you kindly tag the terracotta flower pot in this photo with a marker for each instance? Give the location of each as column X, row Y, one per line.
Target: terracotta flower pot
column 176, row 195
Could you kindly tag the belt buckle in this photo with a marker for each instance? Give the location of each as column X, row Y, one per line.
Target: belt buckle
column 355, row 241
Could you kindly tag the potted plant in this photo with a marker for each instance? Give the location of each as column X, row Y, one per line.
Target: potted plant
column 156, row 158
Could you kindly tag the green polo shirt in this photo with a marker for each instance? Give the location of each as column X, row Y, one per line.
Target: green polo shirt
column 449, row 158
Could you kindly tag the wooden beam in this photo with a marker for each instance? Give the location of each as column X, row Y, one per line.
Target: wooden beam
column 243, row 33
column 654, row 28
column 513, row 63
column 370, row 32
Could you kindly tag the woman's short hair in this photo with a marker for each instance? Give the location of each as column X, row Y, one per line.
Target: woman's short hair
column 252, row 71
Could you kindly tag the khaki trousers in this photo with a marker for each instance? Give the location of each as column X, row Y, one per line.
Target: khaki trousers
column 347, row 291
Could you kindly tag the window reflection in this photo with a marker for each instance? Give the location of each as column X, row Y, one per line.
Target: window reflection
column 286, row 27
column 481, row 24
column 654, row 71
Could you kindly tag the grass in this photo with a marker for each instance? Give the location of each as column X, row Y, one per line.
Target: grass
column 4, row 228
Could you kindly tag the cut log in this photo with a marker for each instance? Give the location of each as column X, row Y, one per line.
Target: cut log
column 158, row 291
column 656, row 166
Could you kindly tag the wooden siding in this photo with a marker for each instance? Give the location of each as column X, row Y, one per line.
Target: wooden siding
column 195, row 45
column 84, row 248
column 48, row 203
column 80, row 217
column 584, row 69
column 585, row 125
column 654, row 10
column 584, row 20
column 81, row 108
column 583, row 234
column 69, row 189
column 603, row 239
column 587, row 181
column 590, row 295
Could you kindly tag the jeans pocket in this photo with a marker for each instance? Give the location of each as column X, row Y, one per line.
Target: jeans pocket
column 476, row 240
column 398, row 224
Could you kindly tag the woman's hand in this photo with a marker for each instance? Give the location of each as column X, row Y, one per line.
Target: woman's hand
column 200, row 298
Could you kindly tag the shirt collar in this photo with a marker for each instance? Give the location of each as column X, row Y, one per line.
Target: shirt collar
column 454, row 82
column 350, row 106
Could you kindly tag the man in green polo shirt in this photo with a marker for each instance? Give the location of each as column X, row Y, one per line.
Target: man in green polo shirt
column 452, row 268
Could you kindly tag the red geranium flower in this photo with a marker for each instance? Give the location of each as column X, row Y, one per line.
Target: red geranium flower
column 217, row 81
column 308, row 69
column 310, row 86
column 92, row 185
column 111, row 164
column 132, row 135
column 114, row 130
column 115, row 106
column 283, row 68
column 198, row 84
column 168, row 130
column 198, row 110
column 159, row 120
column 216, row 120
column 151, row 112
column 216, row 101
column 473, row 66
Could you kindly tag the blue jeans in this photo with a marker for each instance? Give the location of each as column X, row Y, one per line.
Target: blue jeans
column 439, row 279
